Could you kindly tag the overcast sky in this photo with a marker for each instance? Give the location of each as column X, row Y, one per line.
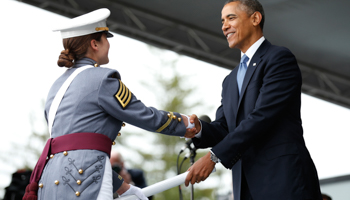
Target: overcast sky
column 28, row 63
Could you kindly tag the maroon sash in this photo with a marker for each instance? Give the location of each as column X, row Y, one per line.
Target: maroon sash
column 74, row 141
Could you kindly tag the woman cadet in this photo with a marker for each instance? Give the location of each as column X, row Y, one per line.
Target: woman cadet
column 85, row 109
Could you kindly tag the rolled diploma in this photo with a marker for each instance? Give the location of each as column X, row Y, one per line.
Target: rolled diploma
column 159, row 187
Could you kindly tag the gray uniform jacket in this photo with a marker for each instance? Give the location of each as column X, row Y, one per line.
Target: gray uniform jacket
column 96, row 101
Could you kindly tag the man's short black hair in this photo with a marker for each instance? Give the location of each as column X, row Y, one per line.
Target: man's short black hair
column 252, row 6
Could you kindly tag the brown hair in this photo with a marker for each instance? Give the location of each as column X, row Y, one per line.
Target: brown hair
column 75, row 48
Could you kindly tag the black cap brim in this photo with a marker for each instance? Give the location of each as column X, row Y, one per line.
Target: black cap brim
column 108, row 34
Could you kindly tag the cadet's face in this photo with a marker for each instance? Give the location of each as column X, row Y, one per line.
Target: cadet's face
column 103, row 50
column 236, row 26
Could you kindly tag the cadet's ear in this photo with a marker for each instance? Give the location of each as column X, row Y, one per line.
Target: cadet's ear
column 94, row 45
column 256, row 18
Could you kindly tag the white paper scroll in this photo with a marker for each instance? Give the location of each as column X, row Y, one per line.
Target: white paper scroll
column 159, row 187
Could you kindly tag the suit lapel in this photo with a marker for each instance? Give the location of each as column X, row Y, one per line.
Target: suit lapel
column 254, row 63
column 235, row 90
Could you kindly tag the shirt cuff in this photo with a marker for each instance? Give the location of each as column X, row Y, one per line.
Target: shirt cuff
column 215, row 156
column 199, row 134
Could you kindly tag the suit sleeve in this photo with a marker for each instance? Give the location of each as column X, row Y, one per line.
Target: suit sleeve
column 212, row 133
column 281, row 85
column 119, row 102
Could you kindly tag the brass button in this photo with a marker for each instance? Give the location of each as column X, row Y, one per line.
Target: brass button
column 123, row 125
column 41, row 185
column 119, row 134
column 95, row 65
column 57, row 182
column 80, row 171
column 65, row 153
column 77, row 193
column 179, row 119
column 169, row 115
column 113, row 143
column 78, row 182
column 174, row 116
column 51, row 156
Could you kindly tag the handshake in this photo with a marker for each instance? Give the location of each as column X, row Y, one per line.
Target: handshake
column 193, row 125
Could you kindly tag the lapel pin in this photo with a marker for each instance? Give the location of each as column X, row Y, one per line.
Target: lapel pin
column 254, row 64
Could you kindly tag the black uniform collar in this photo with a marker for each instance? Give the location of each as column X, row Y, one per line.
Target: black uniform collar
column 84, row 61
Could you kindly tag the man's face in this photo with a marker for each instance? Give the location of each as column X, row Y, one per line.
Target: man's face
column 237, row 26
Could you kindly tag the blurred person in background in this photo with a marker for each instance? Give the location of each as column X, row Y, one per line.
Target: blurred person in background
column 19, row 181
column 133, row 176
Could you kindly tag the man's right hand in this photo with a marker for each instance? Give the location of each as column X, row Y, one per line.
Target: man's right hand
column 191, row 132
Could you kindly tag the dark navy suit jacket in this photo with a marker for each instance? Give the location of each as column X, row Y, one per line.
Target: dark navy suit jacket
column 260, row 133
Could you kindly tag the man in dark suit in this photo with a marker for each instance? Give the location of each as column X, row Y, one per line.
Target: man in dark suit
column 257, row 132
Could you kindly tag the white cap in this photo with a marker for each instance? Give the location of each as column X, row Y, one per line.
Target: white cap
column 86, row 24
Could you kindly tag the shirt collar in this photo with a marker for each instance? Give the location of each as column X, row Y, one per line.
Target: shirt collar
column 252, row 49
column 84, row 61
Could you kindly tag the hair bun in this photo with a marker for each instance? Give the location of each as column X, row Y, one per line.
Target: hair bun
column 66, row 52
column 65, row 59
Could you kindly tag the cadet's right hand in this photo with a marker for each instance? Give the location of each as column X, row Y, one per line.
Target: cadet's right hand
column 135, row 191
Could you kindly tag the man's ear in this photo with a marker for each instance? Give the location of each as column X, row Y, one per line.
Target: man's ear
column 256, row 18
column 94, row 45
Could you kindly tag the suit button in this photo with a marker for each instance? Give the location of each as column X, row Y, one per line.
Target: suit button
column 113, row 143
column 169, row 115
column 41, row 185
column 80, row 171
column 77, row 193
column 65, row 153
column 179, row 119
column 78, row 182
column 57, row 182
column 119, row 134
column 51, row 156
column 123, row 125
column 174, row 116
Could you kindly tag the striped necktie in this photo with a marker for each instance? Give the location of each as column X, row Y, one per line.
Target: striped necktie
column 241, row 71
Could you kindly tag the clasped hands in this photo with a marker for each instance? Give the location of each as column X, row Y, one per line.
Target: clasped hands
column 191, row 132
column 201, row 169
